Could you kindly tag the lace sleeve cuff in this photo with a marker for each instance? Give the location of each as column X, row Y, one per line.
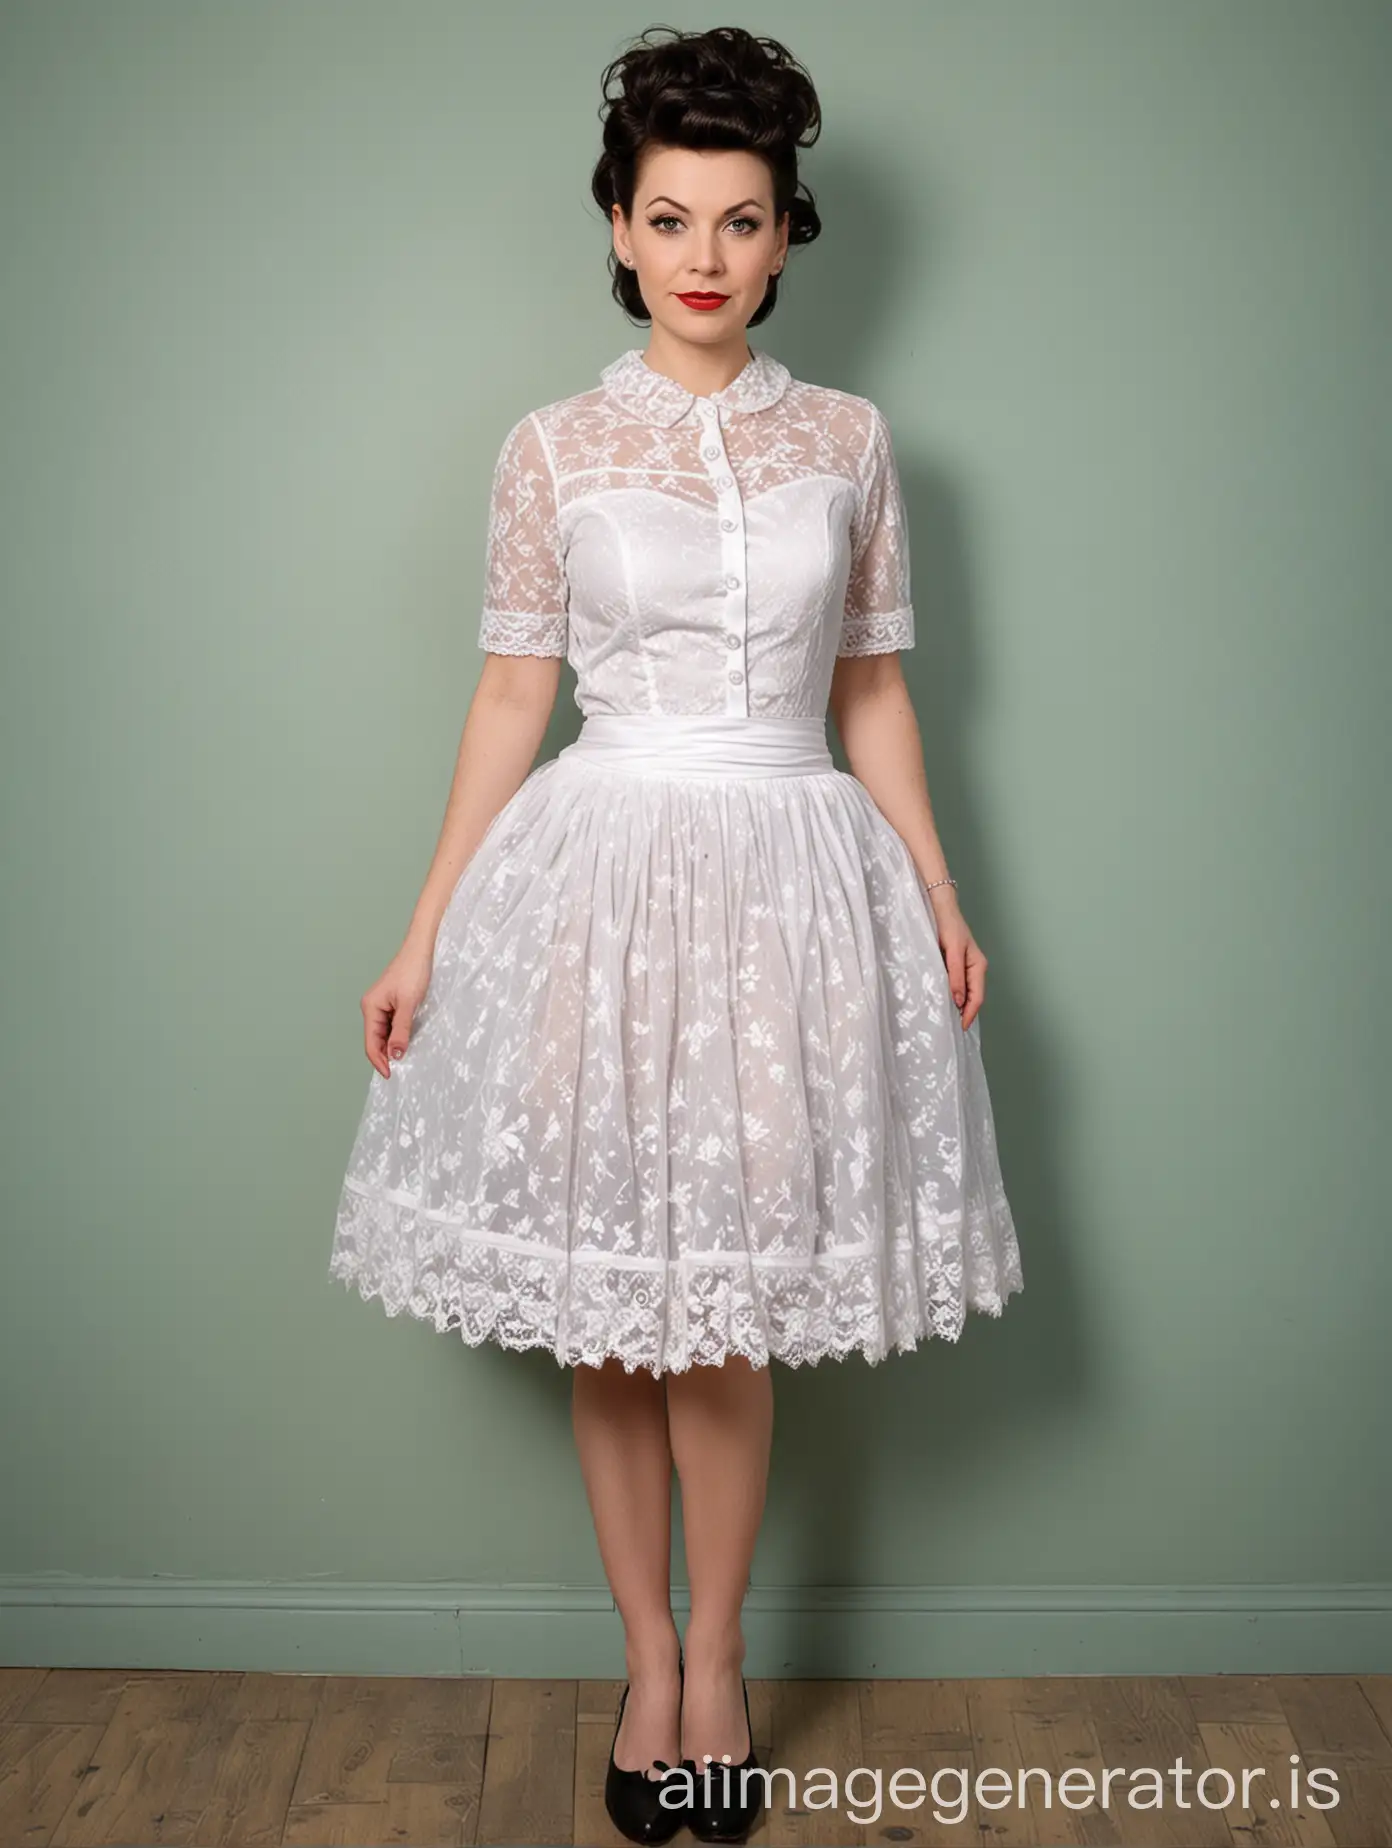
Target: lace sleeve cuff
column 863, row 635
column 503, row 632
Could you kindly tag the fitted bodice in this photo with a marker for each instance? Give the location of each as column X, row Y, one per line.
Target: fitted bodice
column 694, row 554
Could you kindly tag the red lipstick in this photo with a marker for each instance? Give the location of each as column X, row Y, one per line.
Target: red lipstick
column 703, row 299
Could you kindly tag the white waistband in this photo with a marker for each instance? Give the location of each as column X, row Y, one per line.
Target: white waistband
column 702, row 744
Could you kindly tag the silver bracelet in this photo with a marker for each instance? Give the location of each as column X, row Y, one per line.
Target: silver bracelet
column 930, row 883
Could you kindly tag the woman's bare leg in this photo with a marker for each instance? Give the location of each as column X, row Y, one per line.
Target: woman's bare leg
column 721, row 1425
column 620, row 1424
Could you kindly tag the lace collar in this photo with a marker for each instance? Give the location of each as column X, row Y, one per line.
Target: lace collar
column 655, row 398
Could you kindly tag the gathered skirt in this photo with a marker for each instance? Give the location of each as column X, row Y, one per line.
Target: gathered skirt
column 688, row 1080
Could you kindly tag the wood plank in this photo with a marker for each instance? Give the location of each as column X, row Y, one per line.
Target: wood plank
column 172, row 1694
column 909, row 1716
column 1363, row 1818
column 1234, row 1700
column 181, row 1810
column 913, row 1733
column 41, row 1769
column 442, row 1737
column 596, row 1716
column 815, row 1726
column 184, row 1758
column 336, row 1825
column 991, row 1706
column 1336, row 1723
column 353, row 1738
column 248, row 1800
column 1145, row 1723
column 1055, row 1737
column 276, row 1697
column 1270, row 1816
column 18, row 1686
column 75, row 1696
column 1377, row 1691
column 1332, row 1720
column 422, row 1815
column 529, row 1774
column 137, row 1762
column 925, row 1796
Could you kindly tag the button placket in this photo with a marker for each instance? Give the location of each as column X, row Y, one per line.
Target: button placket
column 730, row 507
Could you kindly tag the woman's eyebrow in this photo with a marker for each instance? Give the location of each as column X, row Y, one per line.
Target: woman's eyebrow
column 686, row 208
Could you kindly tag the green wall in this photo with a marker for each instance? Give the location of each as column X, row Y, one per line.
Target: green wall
column 276, row 279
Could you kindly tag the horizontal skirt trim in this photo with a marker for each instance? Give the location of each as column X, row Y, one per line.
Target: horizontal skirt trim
column 834, row 1254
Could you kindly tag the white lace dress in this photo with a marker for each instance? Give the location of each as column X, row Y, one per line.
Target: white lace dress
column 688, row 1080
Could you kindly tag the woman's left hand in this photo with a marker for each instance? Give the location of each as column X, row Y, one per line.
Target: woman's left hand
column 963, row 955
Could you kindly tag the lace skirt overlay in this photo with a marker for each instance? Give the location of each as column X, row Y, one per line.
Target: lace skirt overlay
column 688, row 1080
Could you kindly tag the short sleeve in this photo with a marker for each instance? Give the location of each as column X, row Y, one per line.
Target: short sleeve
column 525, row 592
column 878, row 616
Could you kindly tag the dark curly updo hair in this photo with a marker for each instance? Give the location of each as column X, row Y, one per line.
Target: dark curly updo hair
column 719, row 89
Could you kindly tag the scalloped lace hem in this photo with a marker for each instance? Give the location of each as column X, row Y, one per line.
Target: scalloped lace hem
column 701, row 1314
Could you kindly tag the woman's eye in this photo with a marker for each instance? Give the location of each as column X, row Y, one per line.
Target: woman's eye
column 668, row 218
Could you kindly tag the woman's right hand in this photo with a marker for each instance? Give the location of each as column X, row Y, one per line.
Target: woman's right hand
column 389, row 1006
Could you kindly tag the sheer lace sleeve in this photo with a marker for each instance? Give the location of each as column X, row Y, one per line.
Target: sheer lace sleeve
column 525, row 593
column 879, row 610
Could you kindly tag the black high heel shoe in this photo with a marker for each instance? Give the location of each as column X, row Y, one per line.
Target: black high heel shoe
column 726, row 1818
column 634, row 1800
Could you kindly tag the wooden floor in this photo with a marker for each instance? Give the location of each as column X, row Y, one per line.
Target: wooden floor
column 116, row 1756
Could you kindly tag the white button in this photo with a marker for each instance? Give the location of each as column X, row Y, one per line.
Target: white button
column 732, row 640
column 727, row 526
column 732, row 583
column 724, row 482
column 711, row 454
column 736, row 677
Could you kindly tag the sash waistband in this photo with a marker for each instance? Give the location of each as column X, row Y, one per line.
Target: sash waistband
column 702, row 744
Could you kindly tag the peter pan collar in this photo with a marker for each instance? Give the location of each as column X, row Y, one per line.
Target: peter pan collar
column 655, row 398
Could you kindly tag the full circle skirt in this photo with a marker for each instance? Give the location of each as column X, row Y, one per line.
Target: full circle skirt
column 688, row 1081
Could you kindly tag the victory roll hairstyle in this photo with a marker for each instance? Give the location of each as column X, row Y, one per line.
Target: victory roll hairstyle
column 723, row 88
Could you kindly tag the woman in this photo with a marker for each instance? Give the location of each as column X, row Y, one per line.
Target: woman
column 678, row 1070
